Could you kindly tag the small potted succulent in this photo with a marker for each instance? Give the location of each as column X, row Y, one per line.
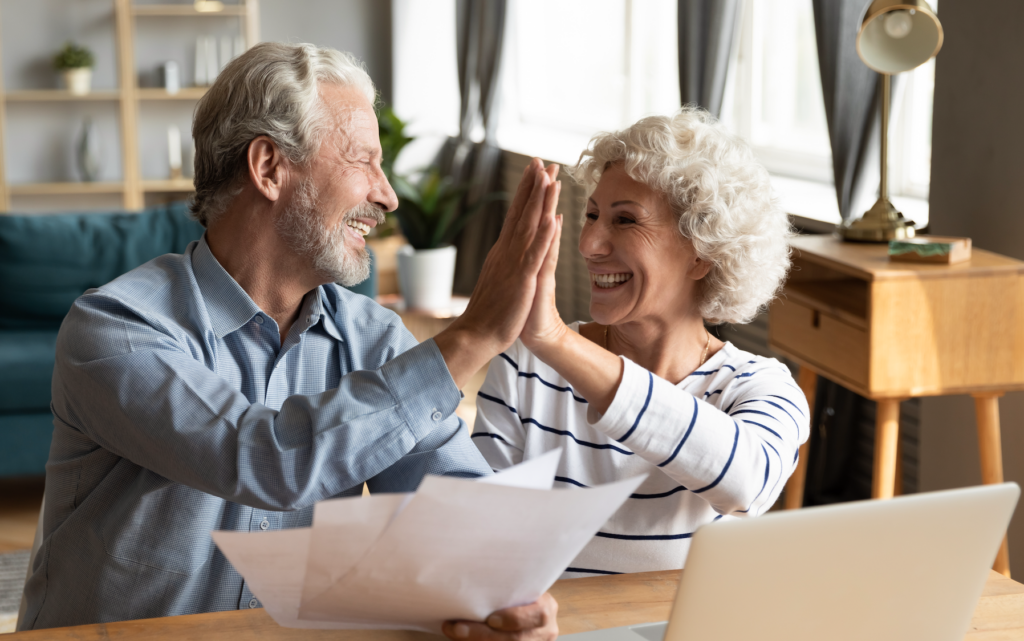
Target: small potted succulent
column 75, row 63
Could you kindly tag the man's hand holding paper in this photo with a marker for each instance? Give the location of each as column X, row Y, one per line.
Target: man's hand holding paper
column 447, row 558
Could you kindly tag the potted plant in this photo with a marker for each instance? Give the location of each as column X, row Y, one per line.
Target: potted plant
column 430, row 217
column 75, row 63
column 386, row 239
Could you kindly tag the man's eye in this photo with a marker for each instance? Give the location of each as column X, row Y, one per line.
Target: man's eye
column 591, row 216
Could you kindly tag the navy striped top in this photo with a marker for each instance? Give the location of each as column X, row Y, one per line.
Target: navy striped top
column 719, row 444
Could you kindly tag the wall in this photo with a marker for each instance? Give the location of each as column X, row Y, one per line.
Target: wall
column 41, row 136
column 978, row 191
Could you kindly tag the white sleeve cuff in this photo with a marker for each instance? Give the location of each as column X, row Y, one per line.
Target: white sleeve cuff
column 628, row 405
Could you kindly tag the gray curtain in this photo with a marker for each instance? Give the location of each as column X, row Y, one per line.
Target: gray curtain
column 852, row 95
column 480, row 29
column 707, row 29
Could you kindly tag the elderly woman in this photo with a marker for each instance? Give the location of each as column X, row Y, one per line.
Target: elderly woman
column 680, row 230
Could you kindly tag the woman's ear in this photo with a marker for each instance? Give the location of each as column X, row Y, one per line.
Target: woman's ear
column 267, row 167
column 699, row 268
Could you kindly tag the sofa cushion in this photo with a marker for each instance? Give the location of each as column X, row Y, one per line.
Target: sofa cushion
column 46, row 262
column 25, row 440
column 26, row 369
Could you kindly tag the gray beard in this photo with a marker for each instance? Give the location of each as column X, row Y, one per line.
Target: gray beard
column 303, row 227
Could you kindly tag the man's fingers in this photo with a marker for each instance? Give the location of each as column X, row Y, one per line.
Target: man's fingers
column 515, row 210
column 530, row 219
column 537, row 621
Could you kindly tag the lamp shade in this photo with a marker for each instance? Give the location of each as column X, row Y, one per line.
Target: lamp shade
column 898, row 35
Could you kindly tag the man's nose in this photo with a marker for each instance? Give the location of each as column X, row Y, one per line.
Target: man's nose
column 383, row 195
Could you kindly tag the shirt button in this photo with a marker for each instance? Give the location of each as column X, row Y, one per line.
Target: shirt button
column 308, row 318
column 264, row 524
column 259, row 319
column 253, row 603
column 437, row 416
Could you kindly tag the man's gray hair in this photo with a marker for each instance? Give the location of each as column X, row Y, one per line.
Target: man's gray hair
column 271, row 90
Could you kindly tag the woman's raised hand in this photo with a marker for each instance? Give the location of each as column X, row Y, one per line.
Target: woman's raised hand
column 544, row 326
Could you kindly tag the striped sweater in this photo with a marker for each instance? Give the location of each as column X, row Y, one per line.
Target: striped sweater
column 721, row 443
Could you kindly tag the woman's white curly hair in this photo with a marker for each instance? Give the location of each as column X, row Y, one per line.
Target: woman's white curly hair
column 720, row 193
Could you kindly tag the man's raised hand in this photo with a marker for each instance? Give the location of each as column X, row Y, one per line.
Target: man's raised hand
column 505, row 291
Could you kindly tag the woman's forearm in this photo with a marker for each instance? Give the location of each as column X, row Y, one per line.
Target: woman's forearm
column 591, row 370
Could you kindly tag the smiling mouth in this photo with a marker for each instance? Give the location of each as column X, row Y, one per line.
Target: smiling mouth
column 608, row 281
column 362, row 228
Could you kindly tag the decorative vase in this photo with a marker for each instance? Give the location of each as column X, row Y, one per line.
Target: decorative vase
column 88, row 152
column 425, row 277
column 78, row 80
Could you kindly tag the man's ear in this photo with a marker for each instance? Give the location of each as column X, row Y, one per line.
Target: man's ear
column 268, row 169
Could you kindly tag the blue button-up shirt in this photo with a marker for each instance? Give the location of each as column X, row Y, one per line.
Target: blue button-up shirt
column 178, row 411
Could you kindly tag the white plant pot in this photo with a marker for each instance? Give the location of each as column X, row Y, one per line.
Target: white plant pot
column 78, row 81
column 425, row 277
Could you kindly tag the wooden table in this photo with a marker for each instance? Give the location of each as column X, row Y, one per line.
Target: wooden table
column 892, row 331
column 584, row 604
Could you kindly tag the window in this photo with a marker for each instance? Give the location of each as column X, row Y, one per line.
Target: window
column 774, row 101
column 572, row 68
column 576, row 67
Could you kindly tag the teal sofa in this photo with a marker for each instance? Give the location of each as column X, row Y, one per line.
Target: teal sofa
column 46, row 262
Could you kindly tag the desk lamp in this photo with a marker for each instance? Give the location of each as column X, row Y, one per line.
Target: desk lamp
column 895, row 36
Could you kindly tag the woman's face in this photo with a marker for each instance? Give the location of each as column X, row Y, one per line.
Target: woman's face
column 641, row 268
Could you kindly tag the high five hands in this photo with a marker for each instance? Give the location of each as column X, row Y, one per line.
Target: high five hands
column 517, row 276
column 514, row 297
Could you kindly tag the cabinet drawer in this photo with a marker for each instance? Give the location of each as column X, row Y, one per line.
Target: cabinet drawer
column 827, row 343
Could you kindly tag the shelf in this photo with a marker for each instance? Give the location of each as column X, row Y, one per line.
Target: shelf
column 67, row 188
column 184, row 10
column 159, row 93
column 60, row 95
column 168, row 185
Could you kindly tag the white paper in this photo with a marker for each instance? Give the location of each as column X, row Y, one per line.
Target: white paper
column 454, row 549
column 536, row 473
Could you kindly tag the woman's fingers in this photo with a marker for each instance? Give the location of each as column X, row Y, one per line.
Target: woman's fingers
column 550, row 266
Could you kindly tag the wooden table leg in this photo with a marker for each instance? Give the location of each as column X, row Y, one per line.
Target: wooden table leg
column 986, row 407
column 887, row 436
column 794, row 498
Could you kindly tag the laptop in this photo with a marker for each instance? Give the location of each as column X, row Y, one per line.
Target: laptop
column 912, row 567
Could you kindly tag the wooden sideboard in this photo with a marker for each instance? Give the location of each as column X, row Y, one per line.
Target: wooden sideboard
column 891, row 331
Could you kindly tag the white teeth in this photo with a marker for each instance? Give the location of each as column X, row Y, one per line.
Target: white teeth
column 609, row 280
column 362, row 228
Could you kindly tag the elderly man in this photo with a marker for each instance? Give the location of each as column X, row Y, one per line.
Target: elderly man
column 233, row 387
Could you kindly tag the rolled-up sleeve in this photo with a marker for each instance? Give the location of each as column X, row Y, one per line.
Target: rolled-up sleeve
column 138, row 391
column 737, row 459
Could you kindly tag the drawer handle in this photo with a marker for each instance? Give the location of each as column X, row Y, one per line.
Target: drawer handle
column 815, row 319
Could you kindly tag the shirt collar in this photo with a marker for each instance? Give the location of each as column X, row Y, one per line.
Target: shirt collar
column 226, row 302
column 326, row 316
column 230, row 307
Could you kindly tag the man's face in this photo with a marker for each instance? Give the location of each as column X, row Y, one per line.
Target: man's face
column 342, row 194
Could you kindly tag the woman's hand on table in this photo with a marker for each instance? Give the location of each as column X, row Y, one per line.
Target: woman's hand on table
column 537, row 621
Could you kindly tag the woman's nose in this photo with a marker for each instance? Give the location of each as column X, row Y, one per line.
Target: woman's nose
column 594, row 241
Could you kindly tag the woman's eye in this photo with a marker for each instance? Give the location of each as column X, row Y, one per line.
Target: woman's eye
column 624, row 220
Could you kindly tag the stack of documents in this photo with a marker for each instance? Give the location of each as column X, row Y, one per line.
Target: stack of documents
column 454, row 549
